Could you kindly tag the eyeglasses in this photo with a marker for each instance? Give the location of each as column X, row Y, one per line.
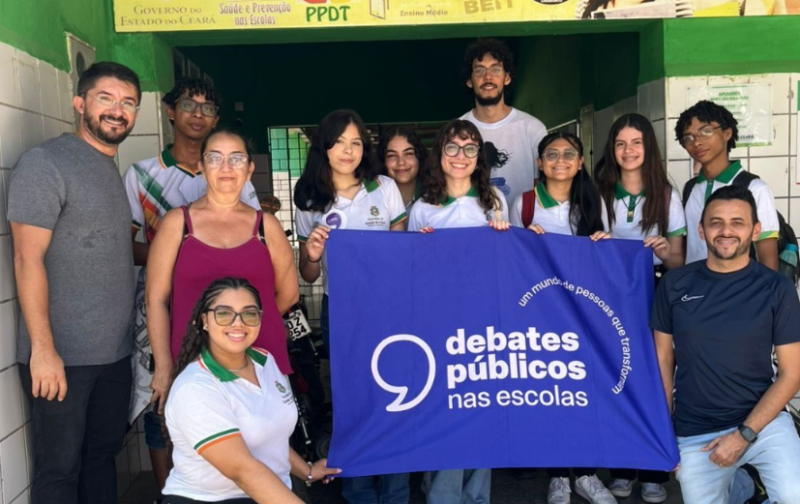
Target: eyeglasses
column 225, row 316
column 494, row 71
column 235, row 160
column 107, row 102
column 552, row 155
column 470, row 150
column 704, row 132
column 208, row 109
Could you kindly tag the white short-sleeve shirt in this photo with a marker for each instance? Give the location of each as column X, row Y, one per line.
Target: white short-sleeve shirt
column 208, row 404
column 378, row 205
column 696, row 249
column 548, row 213
column 465, row 211
column 628, row 217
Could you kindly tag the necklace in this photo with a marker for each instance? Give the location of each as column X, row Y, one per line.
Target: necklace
column 237, row 370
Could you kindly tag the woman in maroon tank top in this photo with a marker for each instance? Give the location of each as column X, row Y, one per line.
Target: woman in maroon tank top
column 217, row 236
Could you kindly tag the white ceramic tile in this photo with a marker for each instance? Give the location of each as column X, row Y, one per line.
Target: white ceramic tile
column 24, row 498
column 657, row 99
column 28, row 82
column 774, row 171
column 794, row 213
column 8, row 334
column 52, row 128
column 14, row 465
column 7, row 288
column 793, row 88
column 147, row 120
column 11, row 145
column 780, row 139
column 781, row 98
column 794, row 126
column 782, row 206
column 660, row 129
column 676, row 99
column 135, row 149
column 674, row 149
column 794, row 182
column 10, row 391
column 32, row 129
column 123, row 471
column 9, row 93
column 679, row 172
column 48, row 82
column 65, row 94
column 643, row 99
column 4, row 174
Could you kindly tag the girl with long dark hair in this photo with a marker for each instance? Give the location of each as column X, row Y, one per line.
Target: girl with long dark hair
column 230, row 410
column 403, row 154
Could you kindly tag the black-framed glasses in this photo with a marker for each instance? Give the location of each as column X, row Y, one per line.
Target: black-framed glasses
column 208, row 109
column 470, row 150
column 214, row 160
column 494, row 71
column 704, row 132
column 226, row 316
column 568, row 155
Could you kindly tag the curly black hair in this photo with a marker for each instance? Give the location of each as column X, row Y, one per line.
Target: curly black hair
column 195, row 87
column 495, row 48
column 708, row 112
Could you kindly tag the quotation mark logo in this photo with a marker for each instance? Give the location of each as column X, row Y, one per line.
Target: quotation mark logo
column 401, row 390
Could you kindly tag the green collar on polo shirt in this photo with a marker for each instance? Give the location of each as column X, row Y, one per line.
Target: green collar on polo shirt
column 726, row 176
column 224, row 375
column 168, row 161
column 371, row 185
column 448, row 200
column 545, row 200
column 622, row 193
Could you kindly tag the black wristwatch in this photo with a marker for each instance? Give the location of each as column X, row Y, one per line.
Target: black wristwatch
column 748, row 434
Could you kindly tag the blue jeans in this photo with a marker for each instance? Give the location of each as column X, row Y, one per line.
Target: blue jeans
column 776, row 456
column 458, row 486
column 388, row 489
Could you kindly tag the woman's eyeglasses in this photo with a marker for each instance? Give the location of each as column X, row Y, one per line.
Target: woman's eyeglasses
column 225, row 316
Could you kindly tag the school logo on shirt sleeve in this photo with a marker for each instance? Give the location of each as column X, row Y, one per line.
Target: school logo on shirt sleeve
column 286, row 396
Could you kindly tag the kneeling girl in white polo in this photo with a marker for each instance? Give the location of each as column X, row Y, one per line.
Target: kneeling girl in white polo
column 230, row 411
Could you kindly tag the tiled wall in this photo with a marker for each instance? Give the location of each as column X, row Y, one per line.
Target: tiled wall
column 35, row 105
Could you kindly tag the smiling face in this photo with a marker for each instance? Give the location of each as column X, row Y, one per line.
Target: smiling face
column 728, row 229
column 488, row 80
column 346, row 153
column 629, row 149
column 565, row 166
column 194, row 125
column 231, row 340
column 225, row 178
column 108, row 110
column 401, row 160
column 460, row 166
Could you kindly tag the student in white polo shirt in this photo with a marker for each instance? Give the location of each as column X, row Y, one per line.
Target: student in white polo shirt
column 230, row 411
column 708, row 132
column 641, row 205
column 566, row 202
column 456, row 193
column 340, row 189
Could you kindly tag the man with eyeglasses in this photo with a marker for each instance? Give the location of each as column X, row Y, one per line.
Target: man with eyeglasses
column 74, row 275
column 487, row 70
column 155, row 186
column 708, row 132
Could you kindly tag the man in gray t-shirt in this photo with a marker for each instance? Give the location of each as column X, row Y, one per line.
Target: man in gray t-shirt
column 74, row 271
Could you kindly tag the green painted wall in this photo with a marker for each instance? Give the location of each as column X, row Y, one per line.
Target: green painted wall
column 38, row 28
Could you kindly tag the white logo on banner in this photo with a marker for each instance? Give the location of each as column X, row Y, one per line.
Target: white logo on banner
column 402, row 391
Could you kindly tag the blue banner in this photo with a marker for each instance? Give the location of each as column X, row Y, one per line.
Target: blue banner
column 472, row 348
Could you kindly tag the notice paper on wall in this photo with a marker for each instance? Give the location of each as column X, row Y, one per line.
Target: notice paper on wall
column 750, row 104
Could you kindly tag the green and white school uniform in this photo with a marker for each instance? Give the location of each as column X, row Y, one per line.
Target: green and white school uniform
column 378, row 205
column 548, row 213
column 765, row 206
column 465, row 211
column 209, row 404
column 628, row 217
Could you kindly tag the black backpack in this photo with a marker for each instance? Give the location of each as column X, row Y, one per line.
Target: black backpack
column 786, row 234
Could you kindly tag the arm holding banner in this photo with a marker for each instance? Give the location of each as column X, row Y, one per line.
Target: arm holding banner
column 311, row 253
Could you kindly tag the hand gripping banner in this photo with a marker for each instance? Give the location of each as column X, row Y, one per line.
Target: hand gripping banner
column 472, row 348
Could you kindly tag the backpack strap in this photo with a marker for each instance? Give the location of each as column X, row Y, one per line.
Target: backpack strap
column 528, row 207
column 687, row 190
column 744, row 178
column 187, row 222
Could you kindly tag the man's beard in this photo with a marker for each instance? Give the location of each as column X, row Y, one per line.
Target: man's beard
column 742, row 249
column 486, row 102
column 94, row 126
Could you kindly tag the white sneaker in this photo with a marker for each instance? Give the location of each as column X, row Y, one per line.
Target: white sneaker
column 653, row 493
column 593, row 490
column 621, row 487
column 559, row 491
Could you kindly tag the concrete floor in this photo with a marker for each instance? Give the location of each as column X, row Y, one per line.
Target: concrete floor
column 506, row 489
